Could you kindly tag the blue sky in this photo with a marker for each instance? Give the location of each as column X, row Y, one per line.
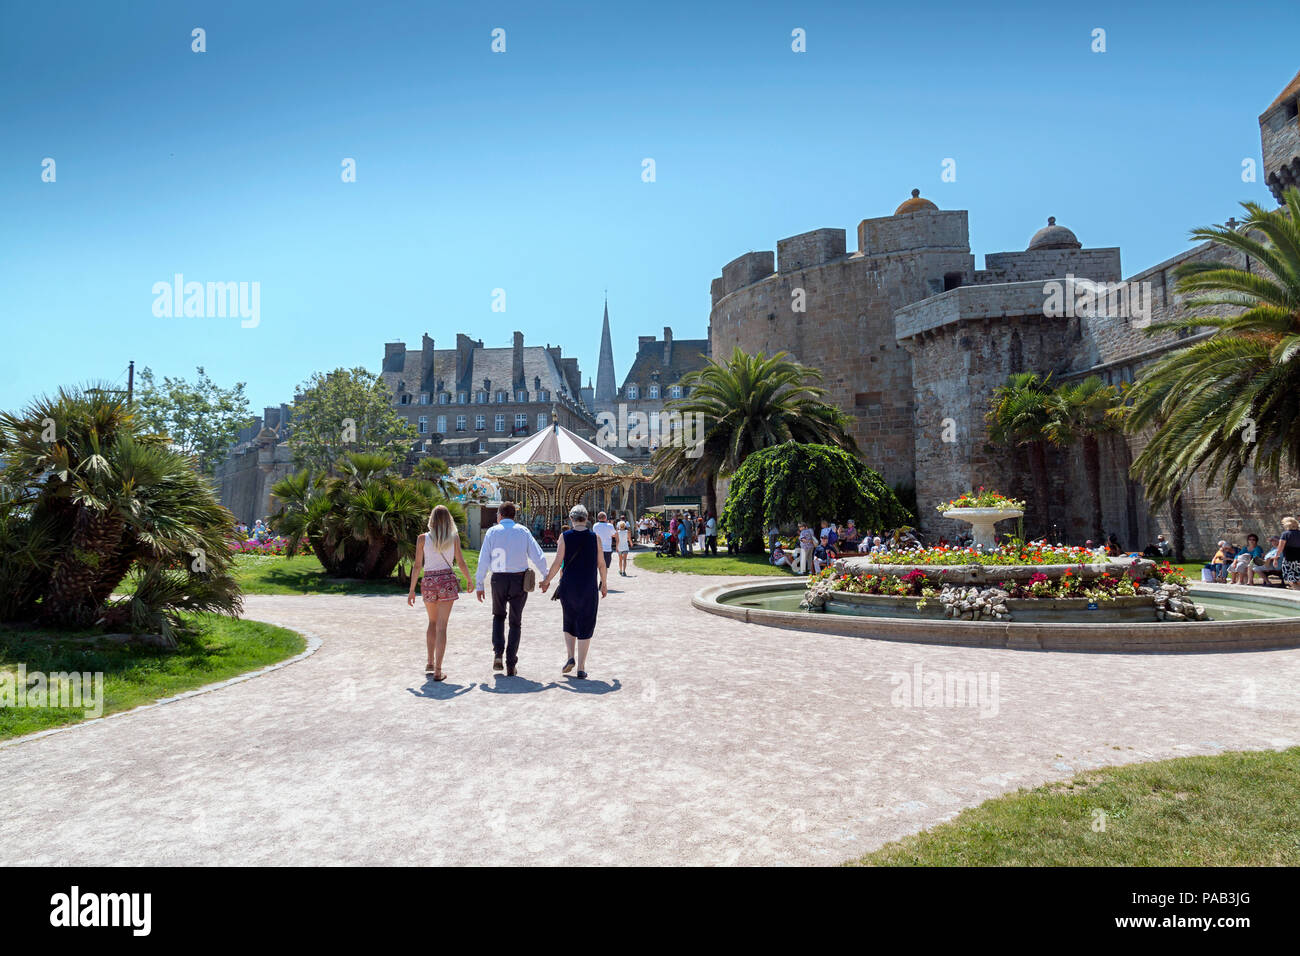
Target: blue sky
column 522, row 170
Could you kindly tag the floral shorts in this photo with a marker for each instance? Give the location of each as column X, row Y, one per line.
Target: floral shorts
column 439, row 586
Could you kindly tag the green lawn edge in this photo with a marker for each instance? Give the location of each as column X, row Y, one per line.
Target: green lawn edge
column 723, row 564
column 1231, row 809
column 222, row 649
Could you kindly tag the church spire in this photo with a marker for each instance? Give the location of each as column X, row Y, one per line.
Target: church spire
column 606, row 387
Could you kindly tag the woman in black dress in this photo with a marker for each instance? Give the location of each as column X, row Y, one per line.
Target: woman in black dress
column 578, row 555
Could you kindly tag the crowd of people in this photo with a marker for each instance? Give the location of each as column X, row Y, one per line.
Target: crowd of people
column 1251, row 563
column 815, row 549
column 680, row 533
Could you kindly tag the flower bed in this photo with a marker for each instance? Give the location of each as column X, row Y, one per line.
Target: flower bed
column 1164, row 586
column 1006, row 554
column 276, row 546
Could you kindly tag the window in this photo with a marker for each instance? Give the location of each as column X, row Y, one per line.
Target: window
column 654, row 391
column 543, row 396
column 521, row 421
column 443, row 398
column 424, row 398
column 521, row 395
column 480, row 422
column 442, row 424
column 500, row 423
column 406, row 399
column 423, row 427
column 632, row 393
column 461, row 398
column 541, row 420
column 460, row 423
column 674, row 391
column 481, row 398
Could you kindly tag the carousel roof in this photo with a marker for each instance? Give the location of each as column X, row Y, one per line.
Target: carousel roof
column 555, row 444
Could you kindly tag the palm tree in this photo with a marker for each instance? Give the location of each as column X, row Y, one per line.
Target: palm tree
column 1081, row 414
column 361, row 522
column 1018, row 418
column 748, row 402
column 88, row 500
column 1232, row 399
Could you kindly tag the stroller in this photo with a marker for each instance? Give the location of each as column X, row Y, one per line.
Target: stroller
column 666, row 545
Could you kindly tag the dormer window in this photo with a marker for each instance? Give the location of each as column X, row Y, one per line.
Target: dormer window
column 444, row 398
column 424, row 398
column 675, row 391
column 406, row 398
column 521, row 395
column 633, row 393
column 654, row 391
column 543, row 395
column 481, row 397
column 462, row 397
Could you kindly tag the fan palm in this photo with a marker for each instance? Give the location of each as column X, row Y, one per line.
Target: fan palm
column 1019, row 417
column 747, row 403
column 1233, row 398
column 1082, row 413
column 87, row 500
column 360, row 522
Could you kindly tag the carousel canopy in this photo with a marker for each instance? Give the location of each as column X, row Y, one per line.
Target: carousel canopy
column 554, row 469
column 555, row 444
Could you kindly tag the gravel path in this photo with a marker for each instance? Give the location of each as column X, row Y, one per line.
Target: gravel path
column 697, row 740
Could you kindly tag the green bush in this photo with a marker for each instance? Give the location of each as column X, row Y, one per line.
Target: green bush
column 806, row 482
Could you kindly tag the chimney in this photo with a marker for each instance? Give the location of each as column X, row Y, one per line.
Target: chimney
column 668, row 345
column 517, row 376
column 394, row 356
column 426, row 363
column 464, row 358
column 643, row 340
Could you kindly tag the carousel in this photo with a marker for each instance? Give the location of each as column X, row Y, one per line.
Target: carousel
column 552, row 470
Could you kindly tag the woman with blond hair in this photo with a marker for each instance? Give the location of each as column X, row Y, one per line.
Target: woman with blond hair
column 1289, row 552
column 434, row 553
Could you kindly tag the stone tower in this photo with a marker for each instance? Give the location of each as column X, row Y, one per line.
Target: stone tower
column 606, row 386
column 1279, row 137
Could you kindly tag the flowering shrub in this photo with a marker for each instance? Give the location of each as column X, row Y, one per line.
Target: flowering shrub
column 1166, row 573
column 981, row 499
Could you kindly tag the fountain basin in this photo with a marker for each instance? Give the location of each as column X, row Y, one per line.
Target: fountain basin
column 987, row 574
column 1247, row 619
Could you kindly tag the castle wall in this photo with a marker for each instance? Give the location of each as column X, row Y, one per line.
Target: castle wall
column 847, row 330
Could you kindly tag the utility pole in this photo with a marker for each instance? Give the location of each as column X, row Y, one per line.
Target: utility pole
column 130, row 382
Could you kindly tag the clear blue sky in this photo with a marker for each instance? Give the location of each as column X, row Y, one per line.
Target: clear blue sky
column 522, row 170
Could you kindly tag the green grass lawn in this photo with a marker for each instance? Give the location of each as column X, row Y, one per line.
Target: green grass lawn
column 222, row 648
column 1236, row 809
column 258, row 574
column 724, row 563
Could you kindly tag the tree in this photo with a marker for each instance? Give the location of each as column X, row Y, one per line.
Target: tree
column 805, row 482
column 86, row 499
column 1081, row 414
column 437, row 473
column 201, row 418
column 346, row 410
column 1232, row 399
column 361, row 522
column 747, row 403
column 1019, row 418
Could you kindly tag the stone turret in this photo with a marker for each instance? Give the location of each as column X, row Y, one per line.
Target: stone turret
column 606, row 386
column 1279, row 136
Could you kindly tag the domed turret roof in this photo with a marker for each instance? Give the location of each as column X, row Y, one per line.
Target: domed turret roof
column 916, row 204
column 1053, row 236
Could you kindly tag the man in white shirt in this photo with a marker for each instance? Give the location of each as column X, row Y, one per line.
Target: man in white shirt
column 711, row 535
column 506, row 550
column 605, row 532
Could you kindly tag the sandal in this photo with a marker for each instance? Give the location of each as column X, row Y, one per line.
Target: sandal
column 439, row 676
column 429, row 670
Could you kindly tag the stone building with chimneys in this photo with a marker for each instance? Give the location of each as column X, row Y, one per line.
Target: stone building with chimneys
column 469, row 402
